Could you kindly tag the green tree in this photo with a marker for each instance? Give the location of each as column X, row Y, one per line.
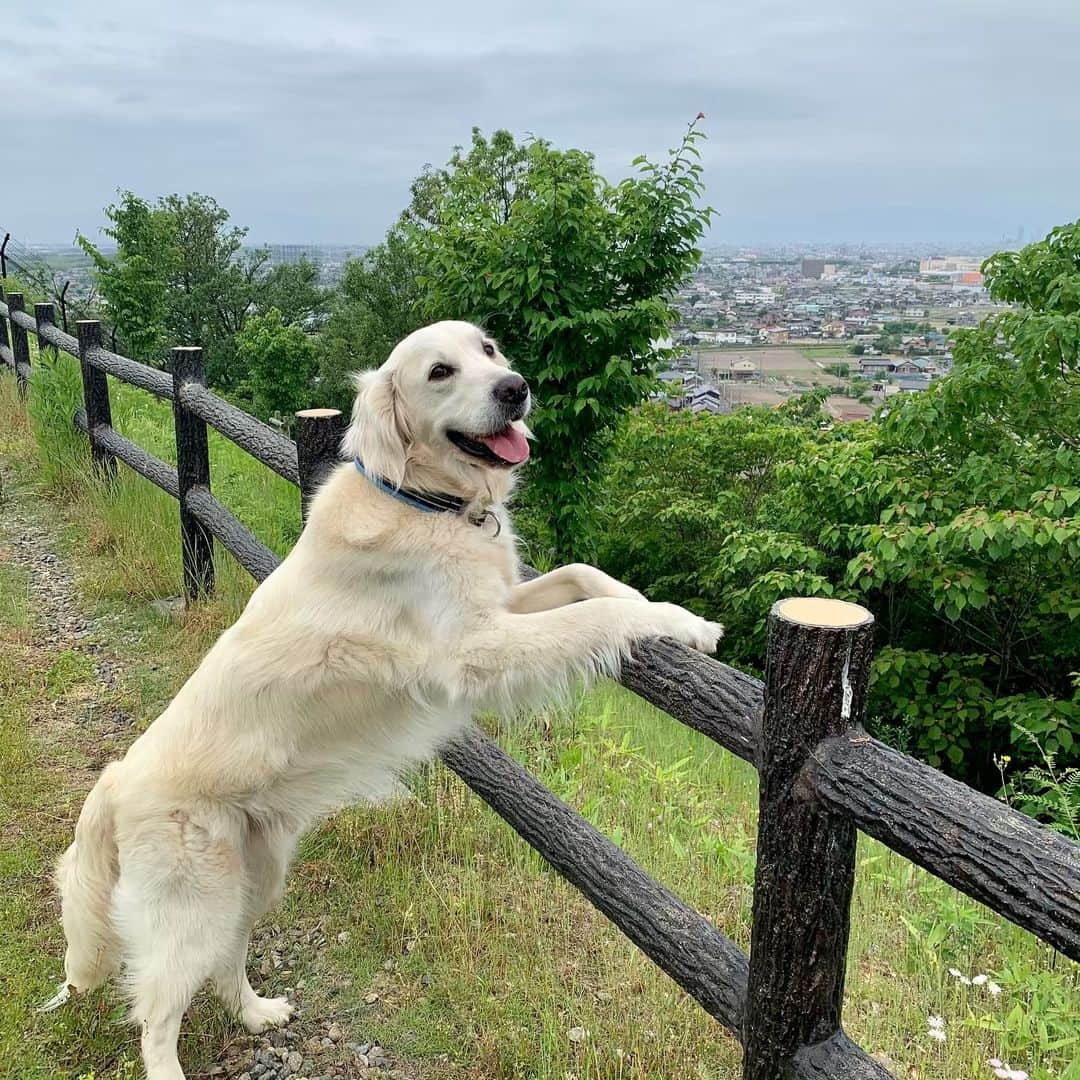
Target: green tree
column 279, row 359
column 954, row 518
column 376, row 305
column 134, row 283
column 180, row 275
column 575, row 276
column 294, row 289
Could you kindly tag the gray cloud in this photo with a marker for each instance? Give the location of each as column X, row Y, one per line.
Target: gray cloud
column 950, row 120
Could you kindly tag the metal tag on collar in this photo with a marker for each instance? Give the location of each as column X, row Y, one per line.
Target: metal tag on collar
column 481, row 518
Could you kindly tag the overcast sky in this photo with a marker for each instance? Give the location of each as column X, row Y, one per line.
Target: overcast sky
column 843, row 119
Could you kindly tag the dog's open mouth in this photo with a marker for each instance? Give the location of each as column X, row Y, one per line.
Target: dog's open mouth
column 504, row 448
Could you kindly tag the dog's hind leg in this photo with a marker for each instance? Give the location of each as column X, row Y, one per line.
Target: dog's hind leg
column 231, row 985
column 266, row 860
column 178, row 907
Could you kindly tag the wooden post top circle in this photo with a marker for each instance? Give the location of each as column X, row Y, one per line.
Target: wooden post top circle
column 821, row 611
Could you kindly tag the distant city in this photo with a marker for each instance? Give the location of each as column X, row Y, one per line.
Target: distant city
column 758, row 325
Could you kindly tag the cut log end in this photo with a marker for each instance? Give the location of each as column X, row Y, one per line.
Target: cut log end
column 822, row 612
column 318, row 414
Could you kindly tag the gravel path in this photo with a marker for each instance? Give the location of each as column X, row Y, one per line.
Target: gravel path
column 311, row 1047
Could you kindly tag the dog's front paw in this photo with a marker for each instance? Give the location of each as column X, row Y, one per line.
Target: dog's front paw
column 690, row 629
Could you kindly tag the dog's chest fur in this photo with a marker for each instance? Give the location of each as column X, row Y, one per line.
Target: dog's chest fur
column 342, row 668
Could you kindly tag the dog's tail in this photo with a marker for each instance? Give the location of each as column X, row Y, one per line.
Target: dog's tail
column 85, row 876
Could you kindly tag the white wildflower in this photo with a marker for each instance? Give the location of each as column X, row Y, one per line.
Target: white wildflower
column 937, row 1033
column 935, row 1021
column 935, row 1028
column 1004, row 1071
column 978, row 980
column 955, row 973
column 993, row 988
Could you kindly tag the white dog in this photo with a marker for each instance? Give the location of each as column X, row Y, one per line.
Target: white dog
column 398, row 613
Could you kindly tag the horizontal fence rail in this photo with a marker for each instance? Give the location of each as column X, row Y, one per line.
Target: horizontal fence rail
column 822, row 776
column 979, row 845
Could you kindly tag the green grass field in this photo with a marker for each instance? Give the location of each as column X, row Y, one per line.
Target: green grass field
column 449, row 941
column 834, row 351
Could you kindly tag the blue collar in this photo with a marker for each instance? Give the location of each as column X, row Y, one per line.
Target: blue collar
column 429, row 502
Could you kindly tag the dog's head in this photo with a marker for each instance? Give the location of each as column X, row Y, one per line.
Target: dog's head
column 444, row 413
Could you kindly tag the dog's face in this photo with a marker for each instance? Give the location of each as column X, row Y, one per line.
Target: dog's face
column 445, row 412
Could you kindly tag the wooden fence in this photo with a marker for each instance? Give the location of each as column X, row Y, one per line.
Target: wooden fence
column 822, row 776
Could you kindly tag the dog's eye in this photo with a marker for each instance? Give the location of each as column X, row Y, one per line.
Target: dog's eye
column 489, row 349
column 440, row 371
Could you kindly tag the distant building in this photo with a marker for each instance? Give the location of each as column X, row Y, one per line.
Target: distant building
column 870, row 367
column 949, row 264
column 292, row 254
column 813, row 268
column 708, row 399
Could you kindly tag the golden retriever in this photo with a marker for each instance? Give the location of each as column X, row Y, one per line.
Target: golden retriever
column 398, row 614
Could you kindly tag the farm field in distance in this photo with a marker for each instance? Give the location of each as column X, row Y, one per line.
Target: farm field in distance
column 783, row 371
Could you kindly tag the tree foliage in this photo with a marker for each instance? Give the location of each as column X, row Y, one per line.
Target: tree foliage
column 295, row 290
column 278, row 359
column 375, row 306
column 574, row 275
column 955, row 517
column 180, row 276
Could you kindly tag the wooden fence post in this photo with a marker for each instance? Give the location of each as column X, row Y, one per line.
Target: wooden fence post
column 95, row 396
column 193, row 470
column 318, row 450
column 4, row 339
column 816, row 674
column 20, row 343
column 45, row 315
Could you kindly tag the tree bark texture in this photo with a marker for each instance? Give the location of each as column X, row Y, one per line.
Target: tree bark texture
column 260, row 440
column 815, row 686
column 318, row 449
column 702, row 693
column 95, row 396
column 20, row 342
column 155, row 470
column 193, row 471
column 253, row 555
column 992, row 853
column 708, row 966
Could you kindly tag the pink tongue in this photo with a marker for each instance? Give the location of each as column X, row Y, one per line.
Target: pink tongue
column 509, row 444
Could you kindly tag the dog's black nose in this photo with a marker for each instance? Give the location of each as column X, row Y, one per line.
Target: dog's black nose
column 511, row 390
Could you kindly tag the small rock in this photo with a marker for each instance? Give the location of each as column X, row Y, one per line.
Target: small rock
column 370, row 999
column 577, row 1034
column 334, row 1033
column 295, row 1060
column 388, row 965
column 343, row 937
column 170, row 607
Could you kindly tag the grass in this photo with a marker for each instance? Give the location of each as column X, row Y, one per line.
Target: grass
column 826, row 352
column 451, row 942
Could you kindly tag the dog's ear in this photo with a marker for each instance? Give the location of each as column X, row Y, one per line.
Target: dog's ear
column 379, row 435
